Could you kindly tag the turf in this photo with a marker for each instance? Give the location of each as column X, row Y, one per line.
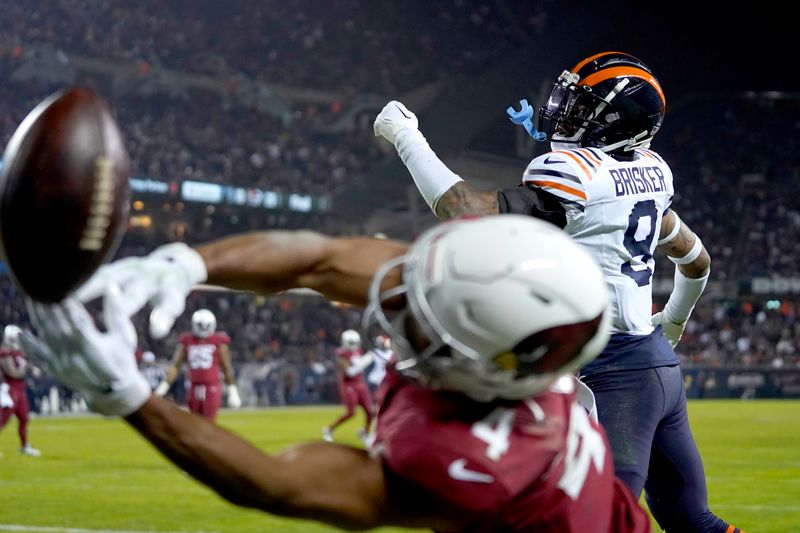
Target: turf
column 98, row 474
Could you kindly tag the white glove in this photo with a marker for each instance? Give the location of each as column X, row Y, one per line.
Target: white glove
column 394, row 118
column 6, row 401
column 101, row 366
column 164, row 278
column 672, row 330
column 234, row 401
column 162, row 389
column 358, row 365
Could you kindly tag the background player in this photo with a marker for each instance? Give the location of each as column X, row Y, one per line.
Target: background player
column 14, row 367
column 603, row 185
column 501, row 447
column 153, row 373
column 204, row 350
column 381, row 354
column 351, row 361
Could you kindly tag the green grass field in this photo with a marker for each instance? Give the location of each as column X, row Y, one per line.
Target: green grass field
column 97, row 474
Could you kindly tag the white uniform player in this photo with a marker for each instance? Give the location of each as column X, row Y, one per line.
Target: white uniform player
column 606, row 189
column 381, row 355
column 614, row 209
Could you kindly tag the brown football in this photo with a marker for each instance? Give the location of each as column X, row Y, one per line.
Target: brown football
column 64, row 194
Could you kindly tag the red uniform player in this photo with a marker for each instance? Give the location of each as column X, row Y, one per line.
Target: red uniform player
column 479, row 429
column 351, row 362
column 13, row 399
column 204, row 350
column 502, row 464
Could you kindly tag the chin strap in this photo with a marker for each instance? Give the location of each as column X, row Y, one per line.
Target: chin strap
column 523, row 117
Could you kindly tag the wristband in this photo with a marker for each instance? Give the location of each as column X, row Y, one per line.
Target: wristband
column 693, row 254
column 672, row 234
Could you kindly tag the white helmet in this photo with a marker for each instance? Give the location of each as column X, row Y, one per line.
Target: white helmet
column 11, row 337
column 204, row 323
column 148, row 357
column 351, row 340
column 509, row 304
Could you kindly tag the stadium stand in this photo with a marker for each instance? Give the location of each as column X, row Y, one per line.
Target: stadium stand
column 735, row 157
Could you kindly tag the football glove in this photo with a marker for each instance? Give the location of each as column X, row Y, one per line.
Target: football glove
column 6, row 401
column 672, row 330
column 162, row 389
column 234, row 401
column 394, row 118
column 164, row 278
column 100, row 366
column 358, row 365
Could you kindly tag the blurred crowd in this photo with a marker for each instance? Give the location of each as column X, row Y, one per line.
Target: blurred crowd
column 735, row 157
column 736, row 164
column 357, row 45
column 199, row 137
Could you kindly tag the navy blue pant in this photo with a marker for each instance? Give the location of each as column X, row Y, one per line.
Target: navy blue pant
column 644, row 415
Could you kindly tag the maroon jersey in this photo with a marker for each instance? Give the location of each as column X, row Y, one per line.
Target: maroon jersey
column 348, row 356
column 534, row 465
column 202, row 356
column 13, row 359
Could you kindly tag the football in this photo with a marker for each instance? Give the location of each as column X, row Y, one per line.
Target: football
column 64, row 194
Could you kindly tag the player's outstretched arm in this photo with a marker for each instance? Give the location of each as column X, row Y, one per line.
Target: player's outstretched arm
column 263, row 262
column 269, row 262
column 172, row 372
column 330, row 483
column 232, row 391
column 445, row 192
column 693, row 266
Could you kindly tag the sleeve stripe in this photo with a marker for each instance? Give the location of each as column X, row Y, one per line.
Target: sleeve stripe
column 553, row 173
column 577, row 160
column 588, row 153
column 560, row 187
column 654, row 155
column 598, row 156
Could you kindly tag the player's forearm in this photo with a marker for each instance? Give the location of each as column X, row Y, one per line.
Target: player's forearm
column 213, row 456
column 329, row 483
column 10, row 369
column 269, row 262
column 264, row 262
column 463, row 199
column 172, row 374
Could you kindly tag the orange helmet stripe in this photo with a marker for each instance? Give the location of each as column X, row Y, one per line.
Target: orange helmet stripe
column 615, row 72
column 592, row 58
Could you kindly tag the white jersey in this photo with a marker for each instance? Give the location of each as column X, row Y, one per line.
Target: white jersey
column 614, row 208
column 379, row 360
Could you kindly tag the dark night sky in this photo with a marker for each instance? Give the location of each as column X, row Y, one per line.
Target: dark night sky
column 698, row 45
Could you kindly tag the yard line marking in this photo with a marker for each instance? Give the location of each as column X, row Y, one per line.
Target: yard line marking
column 756, row 507
column 47, row 529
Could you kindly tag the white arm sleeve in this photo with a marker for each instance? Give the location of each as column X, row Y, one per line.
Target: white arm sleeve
column 431, row 176
column 684, row 295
